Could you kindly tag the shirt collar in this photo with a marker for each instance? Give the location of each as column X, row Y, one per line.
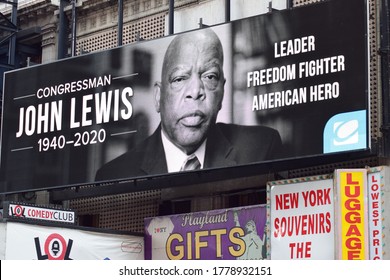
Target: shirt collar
column 175, row 157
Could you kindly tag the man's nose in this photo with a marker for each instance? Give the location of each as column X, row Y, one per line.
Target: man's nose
column 195, row 89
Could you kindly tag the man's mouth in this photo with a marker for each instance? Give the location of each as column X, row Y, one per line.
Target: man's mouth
column 192, row 120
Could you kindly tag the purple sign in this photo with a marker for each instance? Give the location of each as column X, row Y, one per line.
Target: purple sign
column 228, row 234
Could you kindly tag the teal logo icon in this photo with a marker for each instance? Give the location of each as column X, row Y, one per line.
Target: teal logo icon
column 346, row 132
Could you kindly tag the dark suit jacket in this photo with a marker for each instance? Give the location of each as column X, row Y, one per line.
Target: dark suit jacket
column 227, row 145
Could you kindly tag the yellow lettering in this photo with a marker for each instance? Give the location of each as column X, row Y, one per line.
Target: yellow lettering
column 237, row 241
column 218, row 240
column 189, row 246
column 179, row 249
column 199, row 244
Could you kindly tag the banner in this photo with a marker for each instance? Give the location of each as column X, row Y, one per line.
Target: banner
column 32, row 242
column 228, row 234
column 246, row 92
column 351, row 208
column 376, row 207
column 302, row 219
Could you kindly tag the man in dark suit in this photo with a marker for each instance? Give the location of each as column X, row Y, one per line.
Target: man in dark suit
column 188, row 99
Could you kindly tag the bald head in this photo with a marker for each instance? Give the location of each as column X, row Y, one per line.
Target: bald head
column 204, row 40
column 190, row 94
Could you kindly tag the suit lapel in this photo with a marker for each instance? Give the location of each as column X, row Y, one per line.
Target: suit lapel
column 154, row 161
column 219, row 150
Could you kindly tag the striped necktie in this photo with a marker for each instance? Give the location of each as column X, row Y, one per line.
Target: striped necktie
column 191, row 163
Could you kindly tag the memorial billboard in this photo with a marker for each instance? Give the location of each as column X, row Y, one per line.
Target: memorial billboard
column 266, row 89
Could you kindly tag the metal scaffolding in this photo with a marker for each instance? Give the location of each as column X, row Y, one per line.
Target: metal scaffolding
column 8, row 31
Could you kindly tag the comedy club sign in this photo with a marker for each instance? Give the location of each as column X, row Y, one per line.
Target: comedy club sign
column 19, row 211
column 352, row 209
column 228, row 234
column 64, row 122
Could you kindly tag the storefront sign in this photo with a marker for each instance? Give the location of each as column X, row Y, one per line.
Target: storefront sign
column 352, row 211
column 30, row 212
column 237, row 233
column 375, row 213
column 33, row 242
column 302, row 219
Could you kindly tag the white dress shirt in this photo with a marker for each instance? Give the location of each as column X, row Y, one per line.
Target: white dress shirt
column 175, row 157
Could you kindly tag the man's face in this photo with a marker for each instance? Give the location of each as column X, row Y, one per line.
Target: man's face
column 191, row 90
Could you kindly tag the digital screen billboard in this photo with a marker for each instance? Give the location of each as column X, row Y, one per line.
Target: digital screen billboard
column 280, row 86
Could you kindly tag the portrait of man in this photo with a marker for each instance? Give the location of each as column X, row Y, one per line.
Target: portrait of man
column 188, row 99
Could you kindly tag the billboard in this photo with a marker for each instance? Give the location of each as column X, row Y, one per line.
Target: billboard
column 226, row 234
column 33, row 242
column 302, row 219
column 275, row 87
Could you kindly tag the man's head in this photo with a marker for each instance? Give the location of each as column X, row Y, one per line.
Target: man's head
column 190, row 94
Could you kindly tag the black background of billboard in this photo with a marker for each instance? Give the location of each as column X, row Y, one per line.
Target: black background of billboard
column 336, row 37
column 344, row 28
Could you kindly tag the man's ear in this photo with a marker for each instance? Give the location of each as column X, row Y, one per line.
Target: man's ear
column 157, row 95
